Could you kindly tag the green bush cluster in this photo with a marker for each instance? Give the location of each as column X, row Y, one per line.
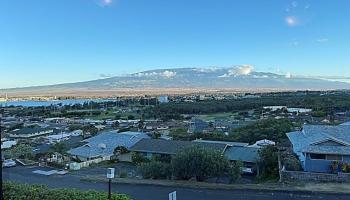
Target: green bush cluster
column 155, row 170
column 192, row 162
column 16, row 191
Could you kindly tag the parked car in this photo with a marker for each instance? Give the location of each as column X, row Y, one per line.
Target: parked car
column 9, row 163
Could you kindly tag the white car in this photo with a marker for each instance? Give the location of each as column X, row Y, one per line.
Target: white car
column 9, row 163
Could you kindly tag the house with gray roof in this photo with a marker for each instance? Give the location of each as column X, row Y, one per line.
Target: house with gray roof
column 30, row 132
column 152, row 147
column 234, row 151
column 248, row 155
column 318, row 146
column 103, row 144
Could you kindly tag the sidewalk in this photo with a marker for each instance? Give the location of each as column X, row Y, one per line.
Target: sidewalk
column 343, row 188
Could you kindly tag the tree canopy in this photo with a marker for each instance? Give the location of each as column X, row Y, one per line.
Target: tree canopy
column 198, row 162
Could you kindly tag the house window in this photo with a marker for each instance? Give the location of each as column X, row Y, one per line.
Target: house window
column 334, row 157
column 318, row 156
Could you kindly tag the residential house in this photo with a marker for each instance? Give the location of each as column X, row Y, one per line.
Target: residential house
column 318, row 146
column 30, row 132
column 198, row 126
column 248, row 155
column 159, row 147
column 103, row 145
column 234, row 151
column 58, row 137
column 238, row 151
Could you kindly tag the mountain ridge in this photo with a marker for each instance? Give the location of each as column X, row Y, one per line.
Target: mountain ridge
column 237, row 77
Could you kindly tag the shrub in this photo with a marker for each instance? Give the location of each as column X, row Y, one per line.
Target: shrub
column 138, row 159
column 268, row 162
column 155, row 170
column 16, row 191
column 235, row 171
column 290, row 161
column 198, row 162
column 123, row 174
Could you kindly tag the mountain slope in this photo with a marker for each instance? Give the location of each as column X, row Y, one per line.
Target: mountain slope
column 239, row 77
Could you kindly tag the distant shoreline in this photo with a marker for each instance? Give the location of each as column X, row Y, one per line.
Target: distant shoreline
column 32, row 94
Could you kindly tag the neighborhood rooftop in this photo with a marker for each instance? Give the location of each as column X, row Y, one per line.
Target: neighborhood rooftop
column 105, row 143
column 28, row 130
column 245, row 154
column 171, row 146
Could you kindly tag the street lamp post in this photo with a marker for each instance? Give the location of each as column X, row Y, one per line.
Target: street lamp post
column 110, row 175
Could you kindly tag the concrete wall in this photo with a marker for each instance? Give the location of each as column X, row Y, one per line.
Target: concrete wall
column 314, row 177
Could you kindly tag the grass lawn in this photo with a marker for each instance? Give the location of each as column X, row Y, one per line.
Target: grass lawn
column 227, row 116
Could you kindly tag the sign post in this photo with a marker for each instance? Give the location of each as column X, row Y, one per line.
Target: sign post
column 172, row 195
column 110, row 175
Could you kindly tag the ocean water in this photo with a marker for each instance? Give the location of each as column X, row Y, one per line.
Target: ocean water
column 30, row 103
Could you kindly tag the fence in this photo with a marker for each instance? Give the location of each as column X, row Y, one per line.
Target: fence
column 314, row 177
column 89, row 162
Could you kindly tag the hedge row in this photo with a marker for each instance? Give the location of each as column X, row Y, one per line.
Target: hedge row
column 16, row 191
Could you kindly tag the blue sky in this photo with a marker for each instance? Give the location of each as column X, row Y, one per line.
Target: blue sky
column 57, row 41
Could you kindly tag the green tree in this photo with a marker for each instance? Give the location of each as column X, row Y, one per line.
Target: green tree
column 131, row 117
column 198, row 162
column 59, row 147
column 21, row 151
column 115, row 125
column 235, row 171
column 90, row 129
column 271, row 129
column 137, row 159
column 268, row 162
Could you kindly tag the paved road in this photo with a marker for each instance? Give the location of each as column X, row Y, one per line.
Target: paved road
column 147, row 192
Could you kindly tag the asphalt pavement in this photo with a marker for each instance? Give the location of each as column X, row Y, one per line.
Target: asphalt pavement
column 149, row 192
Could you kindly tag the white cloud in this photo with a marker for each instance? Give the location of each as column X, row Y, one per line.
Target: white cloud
column 245, row 69
column 292, row 21
column 322, row 40
column 166, row 74
column 307, row 6
column 294, row 4
column 288, row 75
column 240, row 70
column 206, row 70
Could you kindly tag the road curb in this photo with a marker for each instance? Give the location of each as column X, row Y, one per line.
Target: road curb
column 215, row 186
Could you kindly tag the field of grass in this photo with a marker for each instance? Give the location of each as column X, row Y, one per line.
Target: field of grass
column 227, row 116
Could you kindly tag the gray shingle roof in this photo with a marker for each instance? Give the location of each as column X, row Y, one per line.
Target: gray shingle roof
column 240, row 144
column 338, row 150
column 105, row 143
column 346, row 124
column 171, row 146
column 307, row 139
column 245, row 154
